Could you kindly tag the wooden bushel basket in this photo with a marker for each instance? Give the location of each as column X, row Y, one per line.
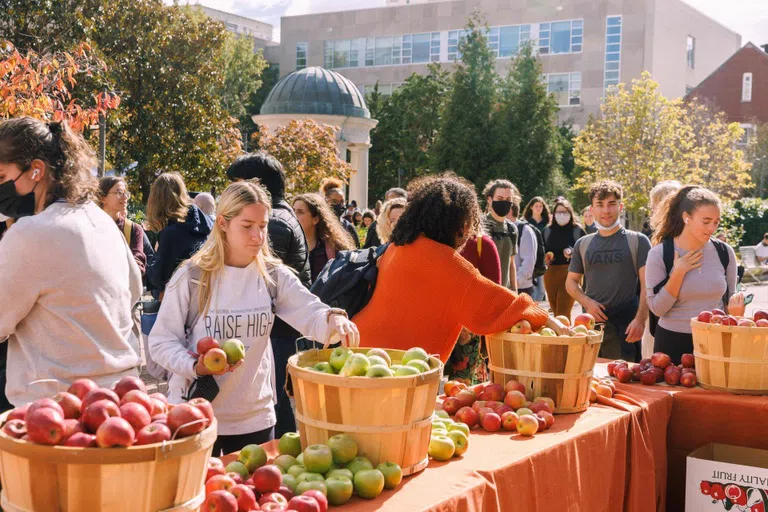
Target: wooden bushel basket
column 160, row 477
column 390, row 418
column 556, row 367
column 731, row 358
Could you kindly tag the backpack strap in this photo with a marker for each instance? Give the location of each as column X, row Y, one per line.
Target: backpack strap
column 583, row 246
column 668, row 255
column 633, row 238
column 127, row 230
column 725, row 259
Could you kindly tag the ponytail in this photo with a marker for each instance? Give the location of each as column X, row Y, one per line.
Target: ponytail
column 668, row 222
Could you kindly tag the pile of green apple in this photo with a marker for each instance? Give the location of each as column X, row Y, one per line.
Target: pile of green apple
column 448, row 439
column 376, row 363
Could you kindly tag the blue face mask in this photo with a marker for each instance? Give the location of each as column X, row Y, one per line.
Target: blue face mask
column 13, row 204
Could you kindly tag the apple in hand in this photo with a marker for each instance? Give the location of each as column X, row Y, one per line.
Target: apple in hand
column 234, row 349
column 206, row 344
column 215, row 360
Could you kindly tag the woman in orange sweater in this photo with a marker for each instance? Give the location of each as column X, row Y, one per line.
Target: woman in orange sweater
column 426, row 291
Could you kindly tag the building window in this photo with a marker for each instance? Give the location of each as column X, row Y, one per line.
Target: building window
column 231, row 27
column 688, row 89
column 746, row 87
column 690, row 56
column 561, row 36
column 612, row 65
column 301, row 55
column 455, row 37
column 749, row 132
column 383, row 51
column 566, row 87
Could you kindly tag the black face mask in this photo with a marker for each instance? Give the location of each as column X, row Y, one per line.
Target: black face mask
column 501, row 208
column 13, row 204
column 338, row 209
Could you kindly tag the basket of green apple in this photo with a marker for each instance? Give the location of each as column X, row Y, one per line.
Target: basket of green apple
column 383, row 399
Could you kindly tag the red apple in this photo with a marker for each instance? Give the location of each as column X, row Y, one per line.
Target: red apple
column 760, row 314
column 71, row 427
column 287, row 492
column 220, row 501
column 586, row 320
column 205, row 407
column 158, row 407
column 115, row 432
column 159, row 396
column 136, row 415
column 274, row 507
column 515, row 400
column 43, row 403
column 304, row 504
column 542, row 423
column 491, row 422
column 537, row 407
column 139, row 397
column 161, row 419
column 456, row 389
column 45, row 426
column 451, row 405
column 636, row 371
column 273, row 497
column 705, row 317
column 19, row 413
column 15, row 428
column 99, row 394
column 467, row 416
column 219, row 483
column 493, row 405
column 319, row 497
column 624, row 374
column 82, row 440
column 509, row 421
column 688, row 370
column 211, row 471
column 613, row 365
column 648, row 377
column 761, row 323
column 513, row 385
column 97, row 413
column 745, row 322
column 70, row 404
column 688, row 380
column 717, row 319
column 481, row 412
column 155, row 433
column 478, row 388
column 522, row 327
column 126, row 384
column 237, row 477
column 466, row 397
column 549, row 418
column 718, row 312
column 492, row 392
column 267, row 479
column 672, row 375
column 502, row 409
column 185, row 420
column 661, row 360
column 478, row 405
column 246, row 499
column 206, row 344
column 81, row 387
column 730, row 320
column 659, row 373
column 645, row 362
column 688, row 361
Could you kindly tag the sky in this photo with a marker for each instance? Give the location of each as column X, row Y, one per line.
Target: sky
column 747, row 17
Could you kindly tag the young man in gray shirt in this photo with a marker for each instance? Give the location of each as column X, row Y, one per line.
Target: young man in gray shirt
column 612, row 262
column 499, row 196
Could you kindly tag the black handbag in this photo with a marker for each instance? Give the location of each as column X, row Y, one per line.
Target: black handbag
column 203, row 387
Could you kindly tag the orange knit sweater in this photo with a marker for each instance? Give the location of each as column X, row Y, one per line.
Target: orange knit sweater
column 426, row 292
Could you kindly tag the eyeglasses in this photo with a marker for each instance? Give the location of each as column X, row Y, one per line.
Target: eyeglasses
column 122, row 194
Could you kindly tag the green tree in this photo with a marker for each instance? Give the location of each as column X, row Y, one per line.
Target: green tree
column 757, row 153
column 465, row 142
column 526, row 122
column 566, row 136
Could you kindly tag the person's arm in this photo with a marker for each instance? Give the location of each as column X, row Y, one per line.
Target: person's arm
column 490, row 264
column 528, row 247
column 636, row 327
column 137, row 247
column 19, row 293
column 512, row 274
column 736, row 306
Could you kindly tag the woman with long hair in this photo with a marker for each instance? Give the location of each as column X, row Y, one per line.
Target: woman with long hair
column 537, row 213
column 391, row 211
column 181, row 226
column 332, row 189
column 68, row 279
column 113, row 199
column 703, row 269
column 325, row 234
column 232, row 288
column 426, row 291
column 559, row 239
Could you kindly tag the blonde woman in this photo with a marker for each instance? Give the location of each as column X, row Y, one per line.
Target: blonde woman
column 390, row 213
column 181, row 226
column 232, row 288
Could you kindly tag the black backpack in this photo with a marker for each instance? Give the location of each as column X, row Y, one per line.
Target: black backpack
column 668, row 248
column 540, row 267
column 348, row 281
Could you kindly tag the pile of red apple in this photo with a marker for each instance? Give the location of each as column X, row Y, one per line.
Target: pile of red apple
column 87, row 416
column 719, row 317
column 494, row 407
column 583, row 326
column 658, row 368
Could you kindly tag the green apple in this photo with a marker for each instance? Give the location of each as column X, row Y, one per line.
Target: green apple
column 296, row 470
column 290, row 444
column 356, row 366
column 318, row 458
column 339, row 356
column 439, row 431
column 310, row 477
column 374, row 360
column 343, row 448
column 442, row 414
column 300, row 458
column 339, row 489
column 369, row 483
column 546, row 331
column 439, row 424
column 406, row 371
column 524, row 410
column 284, row 462
column 378, row 371
column 253, row 456
column 234, row 349
column 441, row 447
column 311, row 484
column 460, row 442
column 396, row 367
column 420, row 365
column 345, row 473
column 581, row 328
column 415, row 353
column 358, row 464
column 324, row 368
column 239, row 468
column 381, row 353
column 333, row 466
column 460, row 427
column 393, row 475
column 290, row 482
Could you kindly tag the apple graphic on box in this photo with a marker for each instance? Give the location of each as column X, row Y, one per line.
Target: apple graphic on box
column 343, row 448
column 339, row 356
column 289, row 444
column 356, row 366
column 156, row 433
column 115, row 432
column 318, row 458
column 220, row 501
column 381, row 353
column 97, row 413
column 234, row 349
column 206, row 344
column 339, row 489
column 81, row 387
column 126, row 384
column 185, row 420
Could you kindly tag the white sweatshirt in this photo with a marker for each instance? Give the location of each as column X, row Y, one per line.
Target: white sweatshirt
column 240, row 308
column 68, row 282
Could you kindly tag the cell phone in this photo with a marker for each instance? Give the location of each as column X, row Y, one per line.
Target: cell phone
column 748, row 299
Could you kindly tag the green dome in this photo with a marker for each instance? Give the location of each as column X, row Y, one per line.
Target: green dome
column 316, row 90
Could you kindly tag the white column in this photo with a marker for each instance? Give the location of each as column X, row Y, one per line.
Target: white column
column 358, row 181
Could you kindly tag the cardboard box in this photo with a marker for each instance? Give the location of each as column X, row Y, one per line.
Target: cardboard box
column 727, row 478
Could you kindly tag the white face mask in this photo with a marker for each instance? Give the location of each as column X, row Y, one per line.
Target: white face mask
column 562, row 218
column 600, row 227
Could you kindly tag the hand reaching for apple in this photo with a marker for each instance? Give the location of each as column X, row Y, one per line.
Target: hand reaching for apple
column 201, row 369
column 736, row 306
column 341, row 327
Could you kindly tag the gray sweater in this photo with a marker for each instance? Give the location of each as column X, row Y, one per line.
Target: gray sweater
column 702, row 288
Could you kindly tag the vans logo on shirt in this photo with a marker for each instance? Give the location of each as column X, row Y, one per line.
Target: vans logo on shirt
column 223, row 324
column 605, row 256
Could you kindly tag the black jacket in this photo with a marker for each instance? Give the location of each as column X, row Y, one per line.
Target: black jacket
column 176, row 243
column 290, row 245
column 372, row 238
column 352, row 231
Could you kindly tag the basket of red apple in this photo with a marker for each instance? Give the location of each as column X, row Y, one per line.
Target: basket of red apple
column 383, row 399
column 656, row 369
column 548, row 365
column 118, row 449
column 731, row 353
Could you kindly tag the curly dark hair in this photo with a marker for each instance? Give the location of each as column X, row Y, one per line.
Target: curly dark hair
column 443, row 208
